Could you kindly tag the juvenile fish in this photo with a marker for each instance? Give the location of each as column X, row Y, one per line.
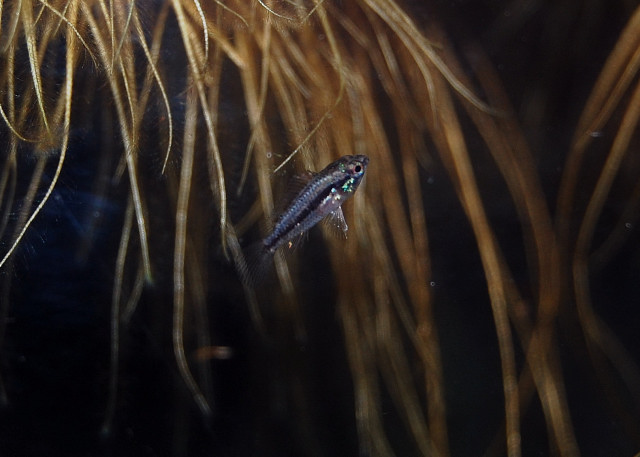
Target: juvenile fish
column 322, row 196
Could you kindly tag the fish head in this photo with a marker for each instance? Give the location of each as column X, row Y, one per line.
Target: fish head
column 351, row 168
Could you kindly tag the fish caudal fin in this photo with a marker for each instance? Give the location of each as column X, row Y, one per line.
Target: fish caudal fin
column 257, row 264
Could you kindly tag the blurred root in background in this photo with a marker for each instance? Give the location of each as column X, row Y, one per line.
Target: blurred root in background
column 481, row 305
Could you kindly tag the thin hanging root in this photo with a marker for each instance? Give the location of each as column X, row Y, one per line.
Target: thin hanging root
column 152, row 65
column 397, row 377
column 248, row 75
column 298, row 21
column 29, row 32
column 617, row 75
column 14, row 131
column 73, row 27
column 264, row 81
column 266, row 7
column 487, row 245
column 221, row 40
column 10, row 33
column 115, row 323
column 426, row 332
column 611, row 168
column 179, row 281
column 185, row 30
column 129, row 136
column 8, row 183
column 109, row 19
column 205, row 40
column 125, row 35
column 418, row 46
column 233, row 12
column 67, row 94
column 598, row 335
column 339, row 66
column 411, row 265
column 515, row 163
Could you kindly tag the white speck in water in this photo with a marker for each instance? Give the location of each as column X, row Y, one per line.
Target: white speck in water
column 628, row 225
column 596, row 134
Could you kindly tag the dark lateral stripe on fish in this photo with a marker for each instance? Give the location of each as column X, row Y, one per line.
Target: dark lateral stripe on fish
column 272, row 242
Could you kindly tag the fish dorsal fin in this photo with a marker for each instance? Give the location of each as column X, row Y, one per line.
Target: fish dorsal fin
column 336, row 223
column 297, row 183
column 294, row 186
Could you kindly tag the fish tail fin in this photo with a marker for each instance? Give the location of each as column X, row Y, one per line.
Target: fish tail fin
column 251, row 264
column 257, row 264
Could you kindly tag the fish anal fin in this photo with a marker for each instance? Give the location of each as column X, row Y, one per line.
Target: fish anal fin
column 294, row 243
column 336, row 223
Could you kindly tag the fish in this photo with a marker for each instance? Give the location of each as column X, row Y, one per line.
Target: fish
column 321, row 196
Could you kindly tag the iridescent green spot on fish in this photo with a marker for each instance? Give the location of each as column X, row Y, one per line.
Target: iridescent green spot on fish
column 349, row 185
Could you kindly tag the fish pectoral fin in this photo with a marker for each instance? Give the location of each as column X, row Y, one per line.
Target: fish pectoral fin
column 336, row 223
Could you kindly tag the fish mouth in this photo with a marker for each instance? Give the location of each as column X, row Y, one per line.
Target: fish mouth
column 363, row 159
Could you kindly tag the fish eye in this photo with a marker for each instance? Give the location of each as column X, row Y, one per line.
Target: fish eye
column 358, row 168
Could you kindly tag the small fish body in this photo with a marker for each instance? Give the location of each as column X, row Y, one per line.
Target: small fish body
column 322, row 196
